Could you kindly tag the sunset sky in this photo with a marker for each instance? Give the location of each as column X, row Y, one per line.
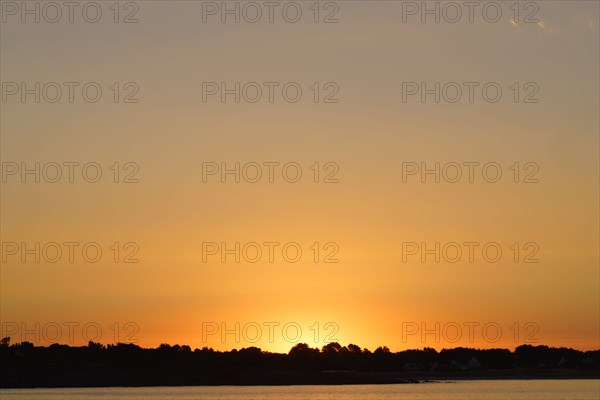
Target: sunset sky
column 373, row 295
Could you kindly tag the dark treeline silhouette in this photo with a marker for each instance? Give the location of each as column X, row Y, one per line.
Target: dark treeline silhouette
column 57, row 365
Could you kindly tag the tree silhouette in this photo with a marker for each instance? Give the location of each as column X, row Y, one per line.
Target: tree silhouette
column 121, row 364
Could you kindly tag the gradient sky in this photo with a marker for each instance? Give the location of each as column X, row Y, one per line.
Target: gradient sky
column 369, row 133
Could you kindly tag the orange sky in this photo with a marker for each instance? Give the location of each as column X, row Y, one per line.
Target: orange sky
column 377, row 293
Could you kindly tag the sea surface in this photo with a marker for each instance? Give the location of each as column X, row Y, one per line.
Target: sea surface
column 447, row 390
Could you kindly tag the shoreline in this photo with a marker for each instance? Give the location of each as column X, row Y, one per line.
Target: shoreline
column 333, row 378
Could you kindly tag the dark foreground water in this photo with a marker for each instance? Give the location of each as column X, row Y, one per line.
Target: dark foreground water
column 455, row 390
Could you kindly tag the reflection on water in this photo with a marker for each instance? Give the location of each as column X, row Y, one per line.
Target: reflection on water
column 457, row 390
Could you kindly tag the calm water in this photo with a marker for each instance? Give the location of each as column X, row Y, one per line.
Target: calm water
column 460, row 390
